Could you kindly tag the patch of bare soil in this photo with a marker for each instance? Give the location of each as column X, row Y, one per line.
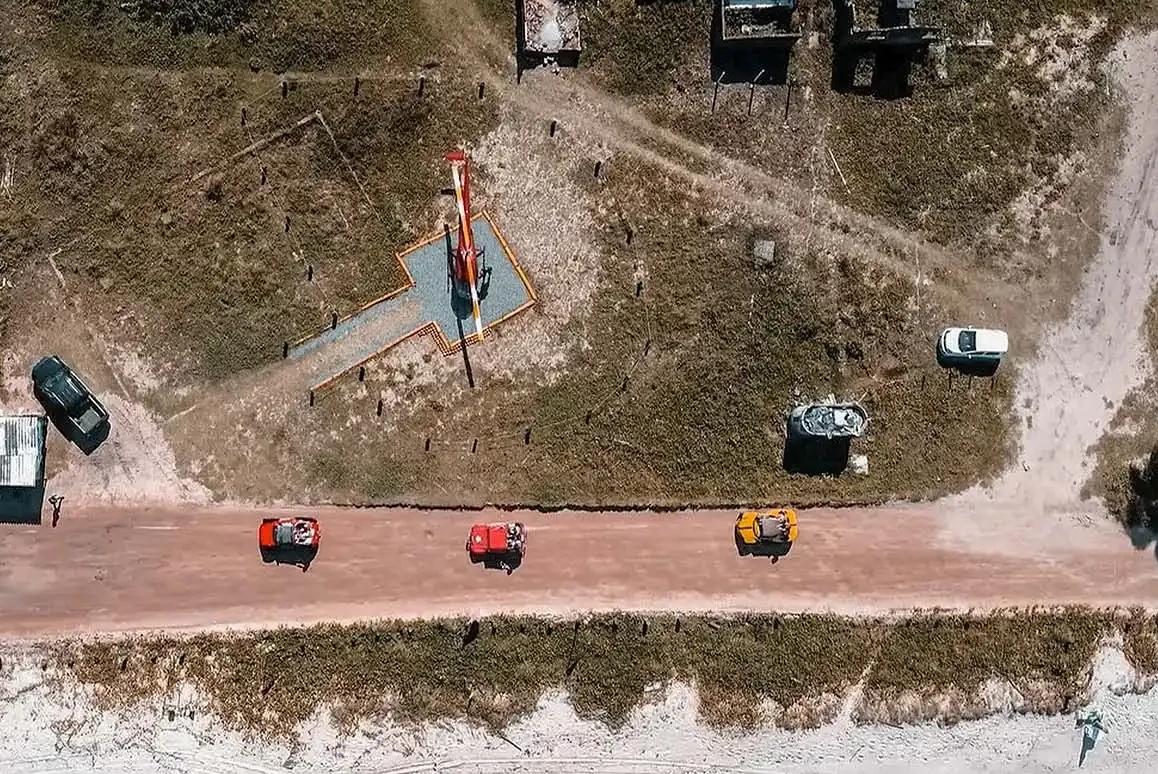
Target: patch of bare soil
column 544, row 214
column 1087, row 365
column 136, row 463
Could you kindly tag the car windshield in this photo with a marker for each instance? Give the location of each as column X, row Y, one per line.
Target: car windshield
column 78, row 397
column 66, row 390
column 967, row 341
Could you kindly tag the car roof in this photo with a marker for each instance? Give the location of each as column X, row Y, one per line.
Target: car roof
column 989, row 340
column 67, row 388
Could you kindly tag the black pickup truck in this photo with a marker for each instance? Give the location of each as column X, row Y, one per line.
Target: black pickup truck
column 70, row 404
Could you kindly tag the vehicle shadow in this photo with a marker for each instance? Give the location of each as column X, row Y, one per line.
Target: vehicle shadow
column 773, row 551
column 87, row 444
column 510, row 562
column 816, row 456
column 979, row 368
column 298, row 556
column 1143, row 538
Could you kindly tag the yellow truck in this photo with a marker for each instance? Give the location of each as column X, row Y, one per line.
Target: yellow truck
column 766, row 533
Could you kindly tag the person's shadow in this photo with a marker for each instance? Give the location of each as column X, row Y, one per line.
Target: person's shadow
column 1143, row 537
column 1091, row 729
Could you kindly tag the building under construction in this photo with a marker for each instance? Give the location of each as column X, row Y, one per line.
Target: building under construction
column 548, row 32
column 752, row 40
column 892, row 46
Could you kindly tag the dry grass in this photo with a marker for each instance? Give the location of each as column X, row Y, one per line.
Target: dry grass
column 700, row 417
column 1140, row 642
column 947, row 161
column 731, row 347
column 205, row 276
column 646, row 48
column 1043, row 656
column 495, row 670
column 270, row 35
column 489, row 672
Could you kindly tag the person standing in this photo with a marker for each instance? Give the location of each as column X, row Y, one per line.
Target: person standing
column 56, row 501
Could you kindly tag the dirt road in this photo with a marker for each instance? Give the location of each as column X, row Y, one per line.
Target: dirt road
column 1087, row 364
column 106, row 569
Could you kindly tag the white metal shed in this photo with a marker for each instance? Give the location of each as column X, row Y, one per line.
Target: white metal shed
column 22, row 440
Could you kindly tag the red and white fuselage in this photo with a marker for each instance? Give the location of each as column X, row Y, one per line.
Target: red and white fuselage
column 466, row 274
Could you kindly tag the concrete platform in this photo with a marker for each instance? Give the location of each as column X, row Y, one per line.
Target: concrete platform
column 426, row 306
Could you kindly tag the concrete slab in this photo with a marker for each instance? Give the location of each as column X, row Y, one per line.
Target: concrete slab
column 505, row 290
column 426, row 306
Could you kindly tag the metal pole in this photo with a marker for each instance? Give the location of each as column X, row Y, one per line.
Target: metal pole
column 716, row 93
column 787, row 102
column 752, row 91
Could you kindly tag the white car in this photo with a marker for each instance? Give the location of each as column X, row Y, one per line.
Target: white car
column 977, row 347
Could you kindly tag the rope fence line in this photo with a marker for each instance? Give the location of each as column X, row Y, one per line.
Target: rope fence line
column 178, row 182
column 346, row 161
column 445, row 346
column 507, row 439
column 253, row 148
column 295, row 244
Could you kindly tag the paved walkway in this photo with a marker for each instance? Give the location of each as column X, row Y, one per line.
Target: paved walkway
column 424, row 306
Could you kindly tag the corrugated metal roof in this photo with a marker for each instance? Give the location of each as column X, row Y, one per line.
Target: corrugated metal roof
column 22, row 450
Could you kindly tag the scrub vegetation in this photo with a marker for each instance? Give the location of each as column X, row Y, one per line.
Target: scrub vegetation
column 753, row 668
